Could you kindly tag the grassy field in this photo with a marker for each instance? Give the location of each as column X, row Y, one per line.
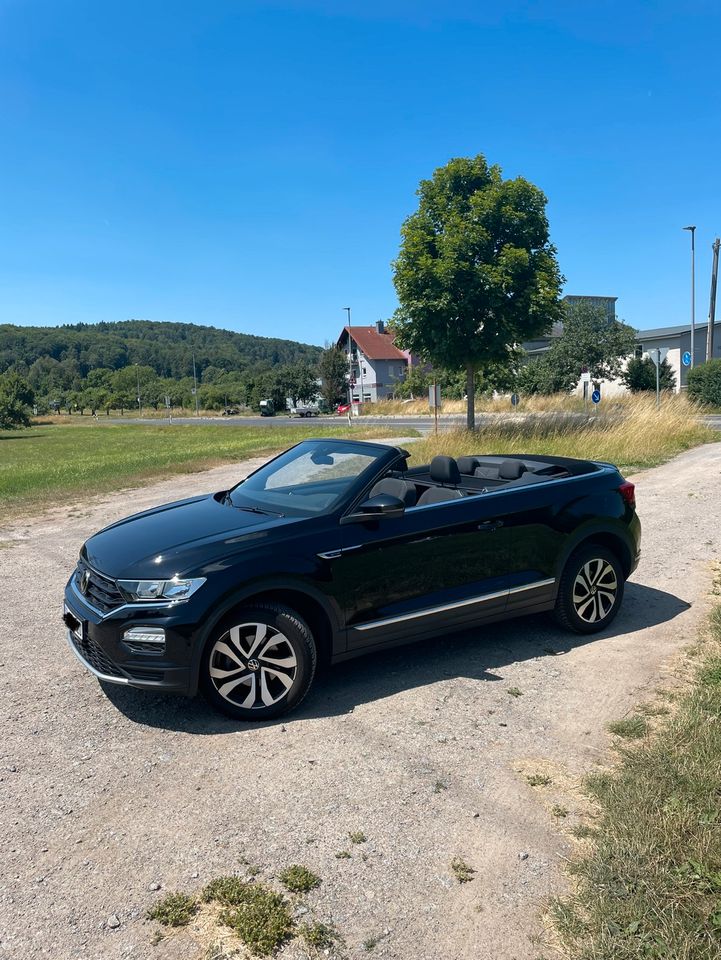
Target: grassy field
column 632, row 434
column 649, row 885
column 50, row 462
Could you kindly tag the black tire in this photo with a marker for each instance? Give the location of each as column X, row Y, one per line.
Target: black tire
column 591, row 590
column 241, row 679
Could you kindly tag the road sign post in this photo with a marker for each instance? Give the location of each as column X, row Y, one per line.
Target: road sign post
column 658, row 355
column 434, row 401
column 585, row 380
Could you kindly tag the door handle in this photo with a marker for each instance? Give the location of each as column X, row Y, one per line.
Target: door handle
column 490, row 525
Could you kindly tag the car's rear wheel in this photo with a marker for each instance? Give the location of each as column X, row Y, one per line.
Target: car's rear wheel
column 590, row 591
column 260, row 663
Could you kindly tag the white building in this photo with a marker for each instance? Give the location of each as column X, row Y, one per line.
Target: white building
column 376, row 364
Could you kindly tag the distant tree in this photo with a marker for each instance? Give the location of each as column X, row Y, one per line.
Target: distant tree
column 300, row 382
column 640, row 375
column 704, row 383
column 590, row 339
column 333, row 371
column 476, row 273
column 16, row 400
column 414, row 385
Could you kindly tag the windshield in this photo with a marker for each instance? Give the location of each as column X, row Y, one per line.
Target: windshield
column 311, row 478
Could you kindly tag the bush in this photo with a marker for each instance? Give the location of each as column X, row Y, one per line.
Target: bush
column 640, row 375
column 704, row 383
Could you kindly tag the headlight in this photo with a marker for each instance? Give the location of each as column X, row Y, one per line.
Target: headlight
column 174, row 589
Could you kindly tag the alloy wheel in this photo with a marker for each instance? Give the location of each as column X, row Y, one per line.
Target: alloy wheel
column 253, row 666
column 594, row 590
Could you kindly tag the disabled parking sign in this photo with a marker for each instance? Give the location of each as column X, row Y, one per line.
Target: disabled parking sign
column 686, row 359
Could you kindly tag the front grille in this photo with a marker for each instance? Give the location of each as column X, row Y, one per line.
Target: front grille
column 100, row 591
column 94, row 655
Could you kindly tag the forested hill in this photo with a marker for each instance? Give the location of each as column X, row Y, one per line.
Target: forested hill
column 166, row 347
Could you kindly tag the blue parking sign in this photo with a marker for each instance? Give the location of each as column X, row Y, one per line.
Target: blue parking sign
column 686, row 359
column 596, row 396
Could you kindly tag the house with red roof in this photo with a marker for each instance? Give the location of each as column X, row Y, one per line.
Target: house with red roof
column 376, row 365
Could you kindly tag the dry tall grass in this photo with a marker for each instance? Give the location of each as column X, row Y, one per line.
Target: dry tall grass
column 630, row 433
column 555, row 403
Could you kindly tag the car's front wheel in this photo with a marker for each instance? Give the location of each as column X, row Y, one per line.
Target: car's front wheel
column 260, row 663
column 590, row 591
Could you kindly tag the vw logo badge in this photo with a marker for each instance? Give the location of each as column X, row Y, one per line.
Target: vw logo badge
column 253, row 664
column 84, row 580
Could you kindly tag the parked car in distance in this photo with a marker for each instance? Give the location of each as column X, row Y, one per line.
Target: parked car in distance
column 230, row 411
column 337, row 548
column 304, row 410
column 267, row 408
column 342, row 408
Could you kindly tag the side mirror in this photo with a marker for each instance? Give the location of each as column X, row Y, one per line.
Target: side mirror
column 384, row 505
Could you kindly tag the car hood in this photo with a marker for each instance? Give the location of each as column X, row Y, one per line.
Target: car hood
column 176, row 538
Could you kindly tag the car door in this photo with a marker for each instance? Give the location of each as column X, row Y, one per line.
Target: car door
column 435, row 567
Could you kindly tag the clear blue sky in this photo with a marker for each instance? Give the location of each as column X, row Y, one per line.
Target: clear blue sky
column 248, row 164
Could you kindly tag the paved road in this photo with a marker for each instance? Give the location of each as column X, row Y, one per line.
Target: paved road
column 108, row 792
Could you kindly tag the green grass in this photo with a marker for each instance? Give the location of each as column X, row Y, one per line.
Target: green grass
column 632, row 435
column 257, row 915
column 650, row 885
column 174, row 910
column 357, row 836
column 462, row 871
column 319, row 935
column 53, row 462
column 538, row 780
column 299, row 879
column 629, row 728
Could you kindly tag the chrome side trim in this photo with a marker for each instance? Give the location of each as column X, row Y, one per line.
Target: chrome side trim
column 429, row 611
column 334, row 554
column 140, row 605
column 96, row 673
column 532, row 586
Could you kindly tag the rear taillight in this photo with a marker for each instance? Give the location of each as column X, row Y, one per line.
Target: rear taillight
column 628, row 492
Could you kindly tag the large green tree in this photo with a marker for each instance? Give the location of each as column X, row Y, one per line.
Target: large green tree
column 476, row 273
column 16, row 398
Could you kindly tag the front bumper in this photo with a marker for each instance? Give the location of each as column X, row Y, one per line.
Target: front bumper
column 96, row 640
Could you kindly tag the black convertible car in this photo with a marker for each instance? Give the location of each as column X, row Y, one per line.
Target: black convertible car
column 336, row 548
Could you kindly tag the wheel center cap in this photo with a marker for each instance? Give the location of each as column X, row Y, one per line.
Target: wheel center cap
column 253, row 664
column 593, row 590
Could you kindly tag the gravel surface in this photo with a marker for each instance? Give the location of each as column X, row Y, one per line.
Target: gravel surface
column 111, row 797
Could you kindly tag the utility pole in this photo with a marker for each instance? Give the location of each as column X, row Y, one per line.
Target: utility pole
column 693, row 291
column 712, row 302
column 137, row 374
column 195, row 386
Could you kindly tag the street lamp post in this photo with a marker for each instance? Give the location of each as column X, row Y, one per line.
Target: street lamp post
column 692, row 230
column 360, row 365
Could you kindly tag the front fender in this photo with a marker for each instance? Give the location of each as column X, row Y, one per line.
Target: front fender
column 246, row 592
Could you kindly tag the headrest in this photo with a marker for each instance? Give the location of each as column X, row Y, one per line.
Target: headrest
column 511, row 469
column 395, row 487
column 467, row 465
column 445, row 470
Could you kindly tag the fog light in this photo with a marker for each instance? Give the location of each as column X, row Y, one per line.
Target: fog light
column 145, row 639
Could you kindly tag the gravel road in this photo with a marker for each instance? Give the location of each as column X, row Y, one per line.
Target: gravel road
column 108, row 792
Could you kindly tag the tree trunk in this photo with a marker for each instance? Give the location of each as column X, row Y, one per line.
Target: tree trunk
column 471, row 398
